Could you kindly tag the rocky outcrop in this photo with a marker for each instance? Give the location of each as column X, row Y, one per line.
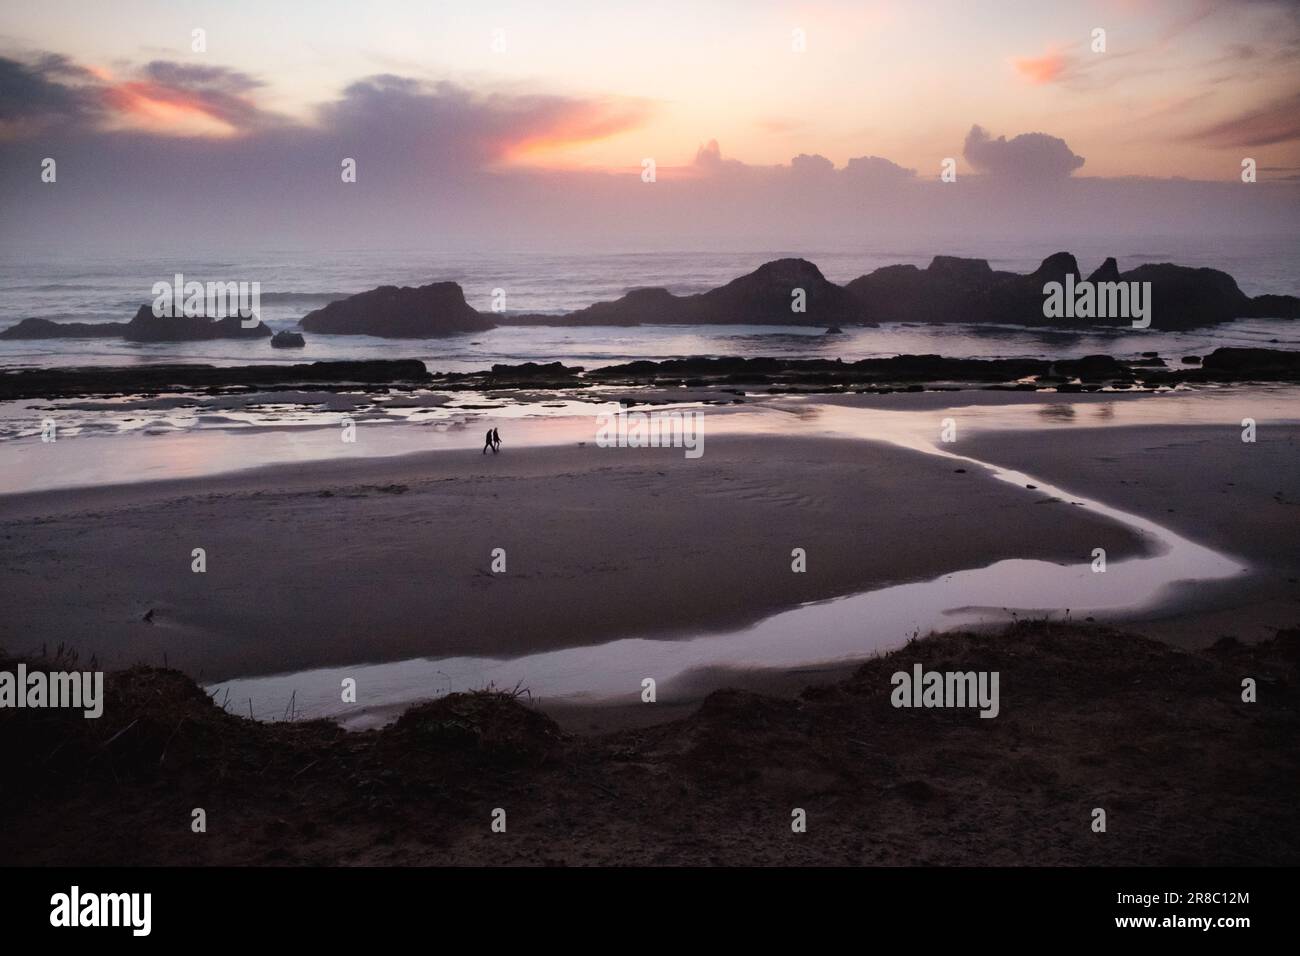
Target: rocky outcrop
column 147, row 327
column 1270, row 362
column 1018, row 300
column 1108, row 271
column 952, row 289
column 949, row 289
column 425, row 311
column 968, row 291
column 288, row 340
column 770, row 295
column 144, row 327
column 536, row 370
column 47, row 329
column 723, row 374
column 638, row 307
column 895, row 369
column 160, row 379
column 1183, row 297
column 1275, row 307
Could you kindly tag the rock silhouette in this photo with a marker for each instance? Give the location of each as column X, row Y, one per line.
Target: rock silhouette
column 425, row 311
column 766, row 296
column 969, row 291
column 288, row 340
column 48, row 329
column 782, row 292
column 147, row 327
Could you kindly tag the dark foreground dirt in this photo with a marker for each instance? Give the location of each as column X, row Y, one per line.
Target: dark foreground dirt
column 1090, row 717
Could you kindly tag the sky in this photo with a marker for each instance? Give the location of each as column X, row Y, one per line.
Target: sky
column 529, row 120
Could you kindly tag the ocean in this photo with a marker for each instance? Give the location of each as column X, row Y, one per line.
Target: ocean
column 74, row 287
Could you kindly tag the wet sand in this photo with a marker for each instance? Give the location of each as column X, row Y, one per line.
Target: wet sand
column 1200, row 481
column 364, row 561
column 1203, row 482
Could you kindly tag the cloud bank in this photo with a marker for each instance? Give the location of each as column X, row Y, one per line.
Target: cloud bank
column 169, row 154
column 1029, row 157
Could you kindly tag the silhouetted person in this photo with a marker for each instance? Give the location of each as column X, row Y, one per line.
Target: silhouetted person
column 496, row 440
column 487, row 442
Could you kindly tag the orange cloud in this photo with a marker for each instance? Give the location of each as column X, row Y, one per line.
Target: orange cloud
column 159, row 109
column 1042, row 69
column 160, row 98
column 577, row 125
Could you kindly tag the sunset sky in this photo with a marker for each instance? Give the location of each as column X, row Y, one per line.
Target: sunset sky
column 1184, row 89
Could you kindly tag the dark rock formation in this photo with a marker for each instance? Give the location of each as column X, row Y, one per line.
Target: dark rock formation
column 1094, row 368
column 46, row 329
column 536, row 370
column 1018, row 300
column 765, row 296
column 288, row 340
column 391, row 312
column 1269, row 362
column 1182, row 297
column 1108, row 271
column 155, row 379
column 948, row 290
column 899, row 372
column 638, row 307
column 911, row 368
column 147, row 327
column 144, row 327
column 899, row 368
column 967, row 290
column 1275, row 307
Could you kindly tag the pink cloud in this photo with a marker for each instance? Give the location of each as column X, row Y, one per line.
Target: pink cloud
column 1047, row 68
